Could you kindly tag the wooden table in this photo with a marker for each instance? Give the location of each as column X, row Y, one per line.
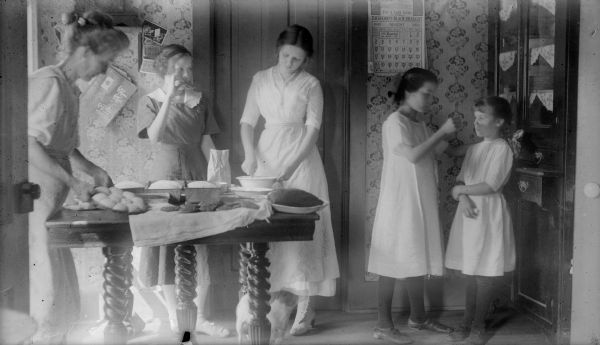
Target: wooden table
column 110, row 231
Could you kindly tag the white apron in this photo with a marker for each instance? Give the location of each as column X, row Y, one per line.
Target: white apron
column 306, row 267
column 54, row 291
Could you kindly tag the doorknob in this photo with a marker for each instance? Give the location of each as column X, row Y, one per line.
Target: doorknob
column 591, row 190
column 26, row 193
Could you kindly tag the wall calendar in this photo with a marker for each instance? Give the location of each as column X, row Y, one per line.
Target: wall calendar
column 396, row 36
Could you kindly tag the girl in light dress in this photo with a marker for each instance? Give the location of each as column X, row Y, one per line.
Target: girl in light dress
column 481, row 243
column 406, row 240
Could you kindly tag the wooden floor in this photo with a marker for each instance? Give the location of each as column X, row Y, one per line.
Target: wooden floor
column 339, row 328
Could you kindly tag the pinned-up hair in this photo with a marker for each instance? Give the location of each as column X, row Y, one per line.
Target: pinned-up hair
column 496, row 106
column 412, row 80
column 296, row 35
column 95, row 30
column 161, row 63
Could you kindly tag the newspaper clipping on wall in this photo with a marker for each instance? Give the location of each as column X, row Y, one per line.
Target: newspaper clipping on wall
column 153, row 37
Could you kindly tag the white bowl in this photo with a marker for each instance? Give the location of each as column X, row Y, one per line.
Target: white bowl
column 251, row 192
column 257, row 181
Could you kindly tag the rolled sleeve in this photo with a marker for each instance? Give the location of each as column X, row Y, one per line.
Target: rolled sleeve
column 44, row 109
column 210, row 123
column 314, row 108
column 251, row 110
column 500, row 167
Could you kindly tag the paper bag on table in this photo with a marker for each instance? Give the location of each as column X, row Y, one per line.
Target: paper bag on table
column 218, row 167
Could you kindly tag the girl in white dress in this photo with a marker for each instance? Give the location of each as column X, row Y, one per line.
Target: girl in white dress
column 406, row 241
column 481, row 243
column 291, row 102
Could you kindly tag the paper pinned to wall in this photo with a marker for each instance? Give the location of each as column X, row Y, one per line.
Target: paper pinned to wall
column 153, row 36
column 106, row 95
column 396, row 36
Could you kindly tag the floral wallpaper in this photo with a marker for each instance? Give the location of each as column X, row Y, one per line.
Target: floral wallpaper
column 456, row 36
column 115, row 147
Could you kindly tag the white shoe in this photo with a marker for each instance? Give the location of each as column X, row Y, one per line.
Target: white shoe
column 304, row 322
column 211, row 329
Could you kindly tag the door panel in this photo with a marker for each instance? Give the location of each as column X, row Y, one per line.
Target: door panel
column 14, row 257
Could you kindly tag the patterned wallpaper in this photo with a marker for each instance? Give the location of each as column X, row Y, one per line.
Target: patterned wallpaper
column 456, row 34
column 116, row 147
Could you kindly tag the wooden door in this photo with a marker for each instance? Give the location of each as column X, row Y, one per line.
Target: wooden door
column 234, row 40
column 14, row 253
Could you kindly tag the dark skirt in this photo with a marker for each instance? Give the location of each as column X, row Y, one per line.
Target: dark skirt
column 172, row 162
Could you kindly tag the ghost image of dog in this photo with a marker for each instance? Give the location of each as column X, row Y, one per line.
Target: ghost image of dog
column 282, row 304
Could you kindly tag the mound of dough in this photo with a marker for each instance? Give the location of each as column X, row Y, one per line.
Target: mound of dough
column 201, row 184
column 166, row 184
column 129, row 185
column 294, row 197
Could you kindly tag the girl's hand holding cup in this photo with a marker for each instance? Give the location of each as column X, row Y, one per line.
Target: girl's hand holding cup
column 172, row 85
column 449, row 126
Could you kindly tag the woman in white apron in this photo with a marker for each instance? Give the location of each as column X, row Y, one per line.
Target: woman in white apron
column 406, row 241
column 291, row 102
column 92, row 44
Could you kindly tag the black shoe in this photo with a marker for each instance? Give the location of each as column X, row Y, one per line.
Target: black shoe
column 430, row 325
column 460, row 333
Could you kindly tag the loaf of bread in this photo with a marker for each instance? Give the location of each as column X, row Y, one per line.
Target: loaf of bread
column 294, row 197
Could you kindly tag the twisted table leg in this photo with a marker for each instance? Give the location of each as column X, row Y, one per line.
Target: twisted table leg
column 185, row 281
column 243, row 279
column 117, row 296
column 258, row 290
